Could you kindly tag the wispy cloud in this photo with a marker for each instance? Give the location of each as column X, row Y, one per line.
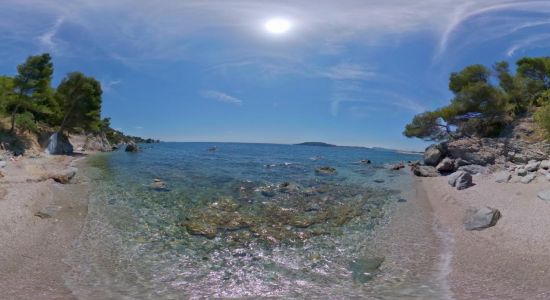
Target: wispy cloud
column 47, row 38
column 347, row 71
column 108, row 86
column 221, row 97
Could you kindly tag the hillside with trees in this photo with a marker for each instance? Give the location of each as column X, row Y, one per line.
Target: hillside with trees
column 487, row 100
column 31, row 109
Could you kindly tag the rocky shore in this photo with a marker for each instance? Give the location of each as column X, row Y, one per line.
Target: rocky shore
column 491, row 196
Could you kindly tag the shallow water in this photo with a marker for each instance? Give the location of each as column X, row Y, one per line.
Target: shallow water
column 317, row 237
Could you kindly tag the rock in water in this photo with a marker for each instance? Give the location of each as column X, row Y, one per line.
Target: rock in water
column 502, row 177
column 363, row 269
column 544, row 195
column 424, row 171
column 528, row 178
column 325, row 171
column 397, row 166
column 478, row 219
column 433, row 155
column 59, row 144
column 132, row 147
column 446, row 165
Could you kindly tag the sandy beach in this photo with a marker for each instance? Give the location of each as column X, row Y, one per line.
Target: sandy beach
column 508, row 261
column 39, row 222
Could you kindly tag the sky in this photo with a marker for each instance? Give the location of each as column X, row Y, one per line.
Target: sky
column 348, row 72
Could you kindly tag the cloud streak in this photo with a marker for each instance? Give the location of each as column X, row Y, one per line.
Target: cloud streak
column 221, row 97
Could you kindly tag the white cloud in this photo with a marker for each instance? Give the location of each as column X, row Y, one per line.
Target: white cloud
column 221, row 97
column 347, row 71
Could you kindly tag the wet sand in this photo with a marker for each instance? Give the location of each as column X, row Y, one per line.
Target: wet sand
column 508, row 261
column 33, row 248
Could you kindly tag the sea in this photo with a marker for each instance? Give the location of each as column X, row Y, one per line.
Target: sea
column 238, row 220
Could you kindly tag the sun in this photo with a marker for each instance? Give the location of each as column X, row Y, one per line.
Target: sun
column 277, row 25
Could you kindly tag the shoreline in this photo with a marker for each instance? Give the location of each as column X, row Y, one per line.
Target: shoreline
column 40, row 222
column 508, row 261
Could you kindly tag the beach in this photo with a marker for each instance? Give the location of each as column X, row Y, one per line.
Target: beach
column 40, row 219
column 508, row 261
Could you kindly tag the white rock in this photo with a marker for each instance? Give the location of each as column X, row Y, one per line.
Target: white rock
column 502, row 177
column 544, row 195
column 521, row 172
column 545, row 164
column 532, row 166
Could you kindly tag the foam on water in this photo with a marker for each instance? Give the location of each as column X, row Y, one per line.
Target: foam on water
column 134, row 247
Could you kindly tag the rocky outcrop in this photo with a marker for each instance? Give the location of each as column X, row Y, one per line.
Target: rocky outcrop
column 478, row 219
column 132, row 147
column 97, row 142
column 434, row 154
column 476, row 151
column 474, row 169
column 59, row 144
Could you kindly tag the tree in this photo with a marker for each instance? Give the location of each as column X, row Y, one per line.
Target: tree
column 6, row 92
column 428, row 126
column 79, row 99
column 31, row 83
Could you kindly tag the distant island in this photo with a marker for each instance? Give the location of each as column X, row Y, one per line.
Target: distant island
column 319, row 144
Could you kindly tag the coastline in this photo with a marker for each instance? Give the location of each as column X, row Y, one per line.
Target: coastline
column 508, row 261
column 34, row 247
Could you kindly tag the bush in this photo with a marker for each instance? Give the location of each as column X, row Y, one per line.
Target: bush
column 542, row 117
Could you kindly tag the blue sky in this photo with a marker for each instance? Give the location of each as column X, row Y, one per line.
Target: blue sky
column 350, row 72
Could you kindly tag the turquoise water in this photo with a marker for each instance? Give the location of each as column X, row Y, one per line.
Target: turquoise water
column 252, row 220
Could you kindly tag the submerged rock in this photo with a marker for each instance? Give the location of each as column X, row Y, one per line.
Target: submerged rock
column 159, row 185
column 363, row 269
column 397, row 166
column 478, row 219
column 325, row 171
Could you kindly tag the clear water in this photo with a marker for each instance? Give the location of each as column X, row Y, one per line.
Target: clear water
column 138, row 243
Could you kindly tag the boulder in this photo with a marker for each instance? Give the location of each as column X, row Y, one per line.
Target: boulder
column 532, row 166
column 132, row 147
column 424, row 171
column 98, row 142
column 453, row 177
column 363, row 269
column 521, row 172
column 544, row 195
column 545, row 164
column 528, row 178
column 58, row 144
column 475, row 169
column 63, row 176
column 478, row 219
column 446, row 165
column 502, row 176
column 434, row 154
column 464, row 181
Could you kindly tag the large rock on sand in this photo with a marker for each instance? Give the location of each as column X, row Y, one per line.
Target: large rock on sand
column 502, row 176
column 528, row 178
column 460, row 179
column 478, row 219
column 544, row 195
column 424, row 171
column 434, row 154
column 63, row 176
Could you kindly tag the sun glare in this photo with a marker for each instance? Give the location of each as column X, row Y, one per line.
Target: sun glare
column 277, row 25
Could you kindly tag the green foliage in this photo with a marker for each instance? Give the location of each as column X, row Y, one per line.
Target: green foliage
column 481, row 108
column 542, row 117
column 26, row 122
column 79, row 99
column 31, row 86
column 6, row 92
